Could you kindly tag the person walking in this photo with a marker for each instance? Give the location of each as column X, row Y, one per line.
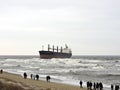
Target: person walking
column 81, row 84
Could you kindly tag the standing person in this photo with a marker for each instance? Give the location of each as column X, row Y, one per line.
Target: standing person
column 25, row 75
column 116, row 87
column 37, row 77
column 97, row 86
column 81, row 84
column 31, row 75
column 101, row 86
column 1, row 71
column 94, row 86
column 48, row 78
column 34, row 76
column 112, row 87
column 88, row 85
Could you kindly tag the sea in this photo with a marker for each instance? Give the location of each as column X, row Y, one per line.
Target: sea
column 105, row 69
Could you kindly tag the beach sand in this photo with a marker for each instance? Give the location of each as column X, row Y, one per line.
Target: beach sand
column 9, row 81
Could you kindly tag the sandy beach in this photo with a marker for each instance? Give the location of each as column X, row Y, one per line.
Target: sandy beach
column 9, row 81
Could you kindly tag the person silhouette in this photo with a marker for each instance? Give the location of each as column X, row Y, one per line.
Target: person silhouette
column 37, row 77
column 48, row 78
column 112, row 87
column 1, row 71
column 25, row 75
column 31, row 75
column 81, row 84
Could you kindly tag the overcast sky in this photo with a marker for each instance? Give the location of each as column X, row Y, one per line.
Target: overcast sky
column 89, row 27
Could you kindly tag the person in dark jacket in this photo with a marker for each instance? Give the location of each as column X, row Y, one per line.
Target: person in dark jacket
column 48, row 78
column 94, row 86
column 37, row 77
column 112, row 87
column 81, row 84
column 88, row 85
column 1, row 71
column 25, row 75
column 101, row 86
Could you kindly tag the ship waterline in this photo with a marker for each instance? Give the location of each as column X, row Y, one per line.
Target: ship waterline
column 50, row 54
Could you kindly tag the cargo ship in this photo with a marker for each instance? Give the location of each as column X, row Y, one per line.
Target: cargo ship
column 55, row 52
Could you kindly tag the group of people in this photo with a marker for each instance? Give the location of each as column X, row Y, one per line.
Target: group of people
column 98, row 86
column 35, row 77
column 92, row 86
column 115, row 87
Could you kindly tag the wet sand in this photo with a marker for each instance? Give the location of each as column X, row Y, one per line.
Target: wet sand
column 9, row 81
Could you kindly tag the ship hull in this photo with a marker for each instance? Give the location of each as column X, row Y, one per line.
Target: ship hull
column 50, row 54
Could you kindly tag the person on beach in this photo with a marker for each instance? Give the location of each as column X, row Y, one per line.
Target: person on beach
column 34, row 76
column 94, row 86
column 97, row 86
column 88, row 85
column 31, row 75
column 101, row 86
column 1, row 71
column 112, row 87
column 37, row 77
column 116, row 87
column 48, row 78
column 81, row 84
column 25, row 75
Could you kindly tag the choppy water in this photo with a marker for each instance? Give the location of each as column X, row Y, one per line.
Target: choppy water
column 104, row 69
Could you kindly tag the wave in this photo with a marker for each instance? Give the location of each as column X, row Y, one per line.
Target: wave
column 98, row 67
column 98, row 57
column 111, row 75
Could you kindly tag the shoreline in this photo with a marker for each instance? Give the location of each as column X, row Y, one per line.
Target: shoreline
column 17, row 82
column 59, row 81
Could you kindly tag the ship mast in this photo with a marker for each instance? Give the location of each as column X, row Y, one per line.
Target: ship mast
column 48, row 47
column 61, row 49
column 57, row 48
column 53, row 48
column 42, row 48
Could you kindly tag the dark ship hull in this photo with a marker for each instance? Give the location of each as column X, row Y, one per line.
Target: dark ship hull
column 55, row 53
column 50, row 54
